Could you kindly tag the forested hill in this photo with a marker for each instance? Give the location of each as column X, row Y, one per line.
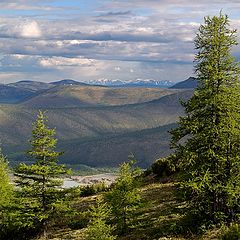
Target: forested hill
column 96, row 125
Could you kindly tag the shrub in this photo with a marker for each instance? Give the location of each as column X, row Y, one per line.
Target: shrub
column 90, row 190
column 78, row 220
column 163, row 167
column 231, row 233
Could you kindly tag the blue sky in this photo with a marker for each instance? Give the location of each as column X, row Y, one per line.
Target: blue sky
column 48, row 40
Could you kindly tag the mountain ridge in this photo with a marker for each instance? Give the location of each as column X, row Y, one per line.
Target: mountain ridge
column 92, row 125
column 100, row 124
column 88, row 95
column 190, row 83
column 68, row 82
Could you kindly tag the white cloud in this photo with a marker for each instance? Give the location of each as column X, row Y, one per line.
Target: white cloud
column 31, row 30
column 62, row 61
column 128, row 39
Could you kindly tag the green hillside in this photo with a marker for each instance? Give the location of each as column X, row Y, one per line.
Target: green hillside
column 33, row 86
column 89, row 131
column 82, row 96
column 110, row 151
column 12, row 94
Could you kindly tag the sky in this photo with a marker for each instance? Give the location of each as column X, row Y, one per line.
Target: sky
column 49, row 40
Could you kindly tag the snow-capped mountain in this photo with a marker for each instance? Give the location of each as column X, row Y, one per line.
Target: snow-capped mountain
column 134, row 83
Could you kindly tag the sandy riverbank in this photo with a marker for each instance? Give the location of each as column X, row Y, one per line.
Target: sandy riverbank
column 74, row 181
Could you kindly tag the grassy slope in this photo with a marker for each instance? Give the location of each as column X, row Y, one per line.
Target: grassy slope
column 79, row 96
column 158, row 219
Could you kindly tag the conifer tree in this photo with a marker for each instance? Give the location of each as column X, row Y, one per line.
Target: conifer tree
column 207, row 140
column 6, row 188
column 40, row 182
column 98, row 229
column 124, row 197
column 6, row 195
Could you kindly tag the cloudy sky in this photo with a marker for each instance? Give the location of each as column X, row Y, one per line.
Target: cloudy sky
column 48, row 40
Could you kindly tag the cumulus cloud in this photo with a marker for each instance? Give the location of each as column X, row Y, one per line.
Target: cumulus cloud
column 31, row 30
column 110, row 39
column 13, row 28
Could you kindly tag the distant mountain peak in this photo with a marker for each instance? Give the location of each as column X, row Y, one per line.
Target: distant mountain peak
column 25, row 81
column 190, row 83
column 30, row 85
column 68, row 82
column 134, row 83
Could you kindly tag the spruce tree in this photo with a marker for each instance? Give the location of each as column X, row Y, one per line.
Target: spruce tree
column 124, row 197
column 98, row 229
column 207, row 140
column 40, row 182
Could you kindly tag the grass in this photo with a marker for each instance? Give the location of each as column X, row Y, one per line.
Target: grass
column 161, row 217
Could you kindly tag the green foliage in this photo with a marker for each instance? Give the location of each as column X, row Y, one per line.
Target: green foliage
column 6, row 189
column 92, row 189
column 40, row 182
column 98, row 229
column 6, row 198
column 20, row 220
column 207, row 140
column 231, row 233
column 17, row 224
column 124, row 197
column 163, row 167
column 78, row 220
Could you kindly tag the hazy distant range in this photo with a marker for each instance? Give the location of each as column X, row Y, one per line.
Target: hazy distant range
column 97, row 124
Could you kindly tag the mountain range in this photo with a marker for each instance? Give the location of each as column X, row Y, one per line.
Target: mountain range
column 25, row 89
column 96, row 125
column 134, row 83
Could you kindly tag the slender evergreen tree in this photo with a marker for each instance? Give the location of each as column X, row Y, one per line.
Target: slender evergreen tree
column 124, row 197
column 40, row 182
column 98, row 229
column 207, row 140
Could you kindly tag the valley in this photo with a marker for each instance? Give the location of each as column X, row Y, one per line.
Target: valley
column 97, row 126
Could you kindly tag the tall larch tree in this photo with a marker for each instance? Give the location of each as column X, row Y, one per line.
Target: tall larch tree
column 40, row 182
column 6, row 188
column 207, row 139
